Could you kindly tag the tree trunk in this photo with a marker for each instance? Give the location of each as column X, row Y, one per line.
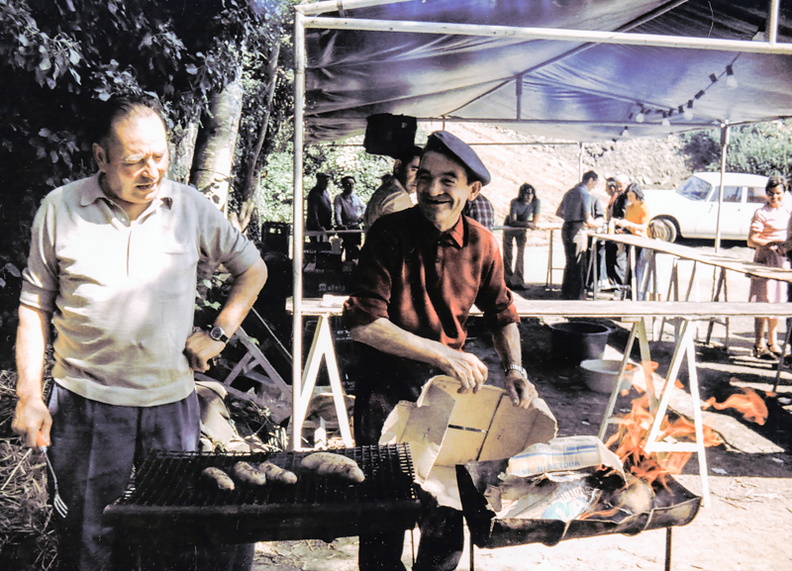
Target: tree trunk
column 214, row 150
column 252, row 173
column 182, row 150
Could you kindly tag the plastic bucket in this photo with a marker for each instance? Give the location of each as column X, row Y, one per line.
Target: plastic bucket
column 575, row 341
column 600, row 375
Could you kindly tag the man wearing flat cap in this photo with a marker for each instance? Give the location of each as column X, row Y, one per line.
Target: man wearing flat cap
column 420, row 272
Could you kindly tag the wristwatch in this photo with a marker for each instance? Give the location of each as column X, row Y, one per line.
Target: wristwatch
column 217, row 333
column 516, row 367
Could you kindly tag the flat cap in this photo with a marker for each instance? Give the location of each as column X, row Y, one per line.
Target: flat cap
column 322, row 175
column 451, row 145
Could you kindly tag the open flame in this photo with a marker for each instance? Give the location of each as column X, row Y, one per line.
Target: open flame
column 748, row 403
column 630, row 439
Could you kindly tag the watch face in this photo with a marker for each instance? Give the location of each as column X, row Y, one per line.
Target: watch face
column 218, row 334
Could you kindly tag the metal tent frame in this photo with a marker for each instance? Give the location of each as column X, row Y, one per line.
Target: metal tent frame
column 310, row 16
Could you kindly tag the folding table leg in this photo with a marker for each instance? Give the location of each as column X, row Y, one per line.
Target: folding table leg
column 783, row 355
column 685, row 349
column 322, row 346
column 638, row 332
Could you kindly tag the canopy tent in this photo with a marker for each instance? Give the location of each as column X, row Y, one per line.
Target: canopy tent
column 577, row 70
column 572, row 69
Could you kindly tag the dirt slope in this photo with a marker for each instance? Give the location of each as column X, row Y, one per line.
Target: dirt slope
column 514, row 158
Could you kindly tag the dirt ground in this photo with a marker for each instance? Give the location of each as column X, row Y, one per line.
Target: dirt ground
column 747, row 522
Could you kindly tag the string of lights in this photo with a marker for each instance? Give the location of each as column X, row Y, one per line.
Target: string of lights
column 685, row 110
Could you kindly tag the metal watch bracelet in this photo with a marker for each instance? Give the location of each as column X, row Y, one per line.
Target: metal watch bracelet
column 516, row 367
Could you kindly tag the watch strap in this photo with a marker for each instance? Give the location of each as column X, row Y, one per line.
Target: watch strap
column 217, row 333
column 516, row 367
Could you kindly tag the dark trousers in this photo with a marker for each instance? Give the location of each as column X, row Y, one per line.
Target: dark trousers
column 573, row 236
column 382, row 381
column 616, row 263
column 514, row 277
column 94, row 448
column 350, row 243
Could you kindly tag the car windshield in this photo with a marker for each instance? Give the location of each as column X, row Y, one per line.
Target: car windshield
column 695, row 189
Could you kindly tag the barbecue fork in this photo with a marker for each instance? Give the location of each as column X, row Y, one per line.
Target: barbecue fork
column 57, row 502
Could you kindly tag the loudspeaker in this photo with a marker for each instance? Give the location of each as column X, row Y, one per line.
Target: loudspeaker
column 388, row 134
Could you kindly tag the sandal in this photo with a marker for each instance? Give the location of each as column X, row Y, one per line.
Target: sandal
column 762, row 352
column 775, row 350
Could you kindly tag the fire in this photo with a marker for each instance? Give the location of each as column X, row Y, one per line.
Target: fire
column 748, row 403
column 630, row 438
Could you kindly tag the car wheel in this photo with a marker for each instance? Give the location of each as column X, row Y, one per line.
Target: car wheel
column 664, row 228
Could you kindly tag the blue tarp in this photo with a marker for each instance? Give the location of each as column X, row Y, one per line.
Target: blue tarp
column 567, row 90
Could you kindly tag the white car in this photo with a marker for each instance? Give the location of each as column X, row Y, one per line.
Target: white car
column 691, row 211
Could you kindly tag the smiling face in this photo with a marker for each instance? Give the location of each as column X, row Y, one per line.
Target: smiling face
column 443, row 189
column 134, row 158
column 775, row 196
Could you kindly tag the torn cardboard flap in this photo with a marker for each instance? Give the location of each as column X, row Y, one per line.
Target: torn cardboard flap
column 444, row 428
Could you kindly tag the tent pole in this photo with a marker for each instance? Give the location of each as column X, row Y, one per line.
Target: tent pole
column 298, row 240
column 772, row 22
column 724, row 151
column 518, row 91
column 339, row 5
column 527, row 34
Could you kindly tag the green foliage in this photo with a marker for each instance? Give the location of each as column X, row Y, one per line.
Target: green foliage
column 763, row 148
column 349, row 157
column 58, row 57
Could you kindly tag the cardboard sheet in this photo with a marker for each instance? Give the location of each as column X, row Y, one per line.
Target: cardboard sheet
column 444, row 428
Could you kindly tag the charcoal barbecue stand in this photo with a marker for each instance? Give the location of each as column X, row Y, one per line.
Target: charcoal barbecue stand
column 674, row 506
column 166, row 498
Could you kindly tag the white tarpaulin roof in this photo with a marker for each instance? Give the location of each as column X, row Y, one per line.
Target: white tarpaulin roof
column 489, row 66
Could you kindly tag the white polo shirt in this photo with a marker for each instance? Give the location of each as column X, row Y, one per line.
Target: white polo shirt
column 122, row 292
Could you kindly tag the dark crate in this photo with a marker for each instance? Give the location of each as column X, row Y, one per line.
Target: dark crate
column 317, row 282
column 275, row 236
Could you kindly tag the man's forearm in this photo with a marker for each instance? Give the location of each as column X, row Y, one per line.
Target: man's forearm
column 506, row 342
column 32, row 420
column 242, row 296
column 31, row 346
column 592, row 222
column 384, row 335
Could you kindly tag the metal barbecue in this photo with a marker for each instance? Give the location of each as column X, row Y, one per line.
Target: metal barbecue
column 166, row 496
column 673, row 506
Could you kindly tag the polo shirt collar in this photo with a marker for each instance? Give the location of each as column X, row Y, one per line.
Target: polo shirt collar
column 93, row 192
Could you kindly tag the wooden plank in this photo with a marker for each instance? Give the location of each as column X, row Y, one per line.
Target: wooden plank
column 610, row 309
column 696, row 255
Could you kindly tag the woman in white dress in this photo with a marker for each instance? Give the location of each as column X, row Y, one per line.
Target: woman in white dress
column 768, row 235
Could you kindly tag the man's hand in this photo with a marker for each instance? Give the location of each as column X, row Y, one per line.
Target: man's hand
column 200, row 349
column 466, row 368
column 31, row 417
column 521, row 391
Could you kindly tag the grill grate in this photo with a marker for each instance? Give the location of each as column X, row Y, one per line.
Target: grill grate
column 166, row 493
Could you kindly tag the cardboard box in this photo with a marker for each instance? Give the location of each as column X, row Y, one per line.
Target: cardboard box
column 444, row 429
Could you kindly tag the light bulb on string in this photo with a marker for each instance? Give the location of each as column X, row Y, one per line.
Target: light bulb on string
column 640, row 117
column 688, row 112
column 625, row 132
column 731, row 81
